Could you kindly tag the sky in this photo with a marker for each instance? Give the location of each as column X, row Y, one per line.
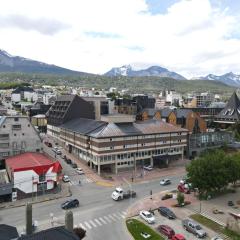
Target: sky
column 191, row 37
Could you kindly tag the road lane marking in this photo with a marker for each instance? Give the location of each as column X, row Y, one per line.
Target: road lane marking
column 105, row 217
column 88, row 225
column 111, row 217
column 120, row 214
column 98, row 222
column 118, row 217
column 102, row 220
column 90, row 221
column 81, row 226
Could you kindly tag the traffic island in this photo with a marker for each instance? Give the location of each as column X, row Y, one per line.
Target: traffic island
column 215, row 226
column 141, row 231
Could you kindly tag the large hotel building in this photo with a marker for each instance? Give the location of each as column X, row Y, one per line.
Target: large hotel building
column 120, row 142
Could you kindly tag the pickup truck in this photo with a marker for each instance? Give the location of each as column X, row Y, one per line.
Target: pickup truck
column 194, row 228
column 119, row 194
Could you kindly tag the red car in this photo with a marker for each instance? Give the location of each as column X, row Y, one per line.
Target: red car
column 178, row 237
column 181, row 188
column 166, row 230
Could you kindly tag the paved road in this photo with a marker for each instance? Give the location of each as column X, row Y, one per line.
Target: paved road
column 98, row 213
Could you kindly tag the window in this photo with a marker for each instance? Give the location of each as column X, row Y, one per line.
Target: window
column 42, row 178
column 4, row 136
column 179, row 140
column 4, row 126
column 16, row 127
column 4, row 145
column 23, row 134
column 16, row 119
column 23, row 145
column 112, row 148
column 110, row 139
column 4, row 154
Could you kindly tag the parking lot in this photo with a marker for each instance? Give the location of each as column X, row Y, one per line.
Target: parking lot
column 176, row 224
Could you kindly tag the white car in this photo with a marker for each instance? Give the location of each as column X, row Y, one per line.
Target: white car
column 149, row 168
column 165, row 182
column 79, row 171
column 147, row 216
column 66, row 178
column 216, row 238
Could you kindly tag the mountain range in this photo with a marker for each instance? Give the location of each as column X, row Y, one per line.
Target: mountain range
column 153, row 71
column 9, row 63
column 230, row 79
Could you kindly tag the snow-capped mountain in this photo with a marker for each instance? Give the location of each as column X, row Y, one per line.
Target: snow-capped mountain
column 228, row 78
column 156, row 71
column 9, row 63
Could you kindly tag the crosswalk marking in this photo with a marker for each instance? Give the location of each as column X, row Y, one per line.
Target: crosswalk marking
column 88, row 225
column 98, row 222
column 102, row 220
column 105, row 217
column 85, row 180
column 81, row 226
column 115, row 215
column 110, row 216
column 92, row 223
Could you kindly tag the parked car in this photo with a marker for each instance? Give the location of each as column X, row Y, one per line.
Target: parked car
column 70, row 204
column 68, row 161
column 66, row 178
column 48, row 144
column 194, row 228
column 166, row 230
column 164, row 182
column 57, row 151
column 74, row 165
column 166, row 212
column 216, row 238
column 147, row 216
column 178, row 237
column 79, row 171
column 167, row 196
column 148, row 167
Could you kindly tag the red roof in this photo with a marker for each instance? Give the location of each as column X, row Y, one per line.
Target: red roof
column 38, row 162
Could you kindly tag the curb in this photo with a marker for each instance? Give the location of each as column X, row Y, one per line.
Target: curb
column 41, row 201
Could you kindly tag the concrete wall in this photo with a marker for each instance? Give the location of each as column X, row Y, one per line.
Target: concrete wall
column 25, row 139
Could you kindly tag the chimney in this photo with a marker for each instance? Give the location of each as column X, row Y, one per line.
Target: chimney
column 28, row 219
column 69, row 221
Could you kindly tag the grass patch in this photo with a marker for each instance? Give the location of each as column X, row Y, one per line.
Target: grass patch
column 215, row 226
column 135, row 227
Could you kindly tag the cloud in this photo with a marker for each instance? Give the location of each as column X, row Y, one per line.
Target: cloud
column 102, row 35
column 41, row 25
column 192, row 37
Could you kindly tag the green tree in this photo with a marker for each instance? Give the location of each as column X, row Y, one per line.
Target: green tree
column 180, row 198
column 209, row 173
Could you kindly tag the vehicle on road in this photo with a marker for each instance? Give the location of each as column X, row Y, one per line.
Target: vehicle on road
column 166, row 212
column 48, row 144
column 216, row 238
column 119, row 194
column 57, row 151
column 183, row 188
column 74, row 165
column 66, row 178
column 68, row 161
column 70, row 204
column 79, row 171
column 164, row 182
column 147, row 216
column 178, row 237
column 194, row 228
column 166, row 230
column 167, row 196
column 148, row 167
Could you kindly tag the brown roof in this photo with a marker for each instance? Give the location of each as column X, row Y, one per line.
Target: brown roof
column 137, row 128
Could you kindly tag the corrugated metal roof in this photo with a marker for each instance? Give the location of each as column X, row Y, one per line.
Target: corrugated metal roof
column 137, row 128
column 83, row 125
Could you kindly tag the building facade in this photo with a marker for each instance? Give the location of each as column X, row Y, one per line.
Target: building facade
column 115, row 146
column 17, row 135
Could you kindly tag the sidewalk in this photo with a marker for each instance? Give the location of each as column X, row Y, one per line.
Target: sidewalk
column 64, row 192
